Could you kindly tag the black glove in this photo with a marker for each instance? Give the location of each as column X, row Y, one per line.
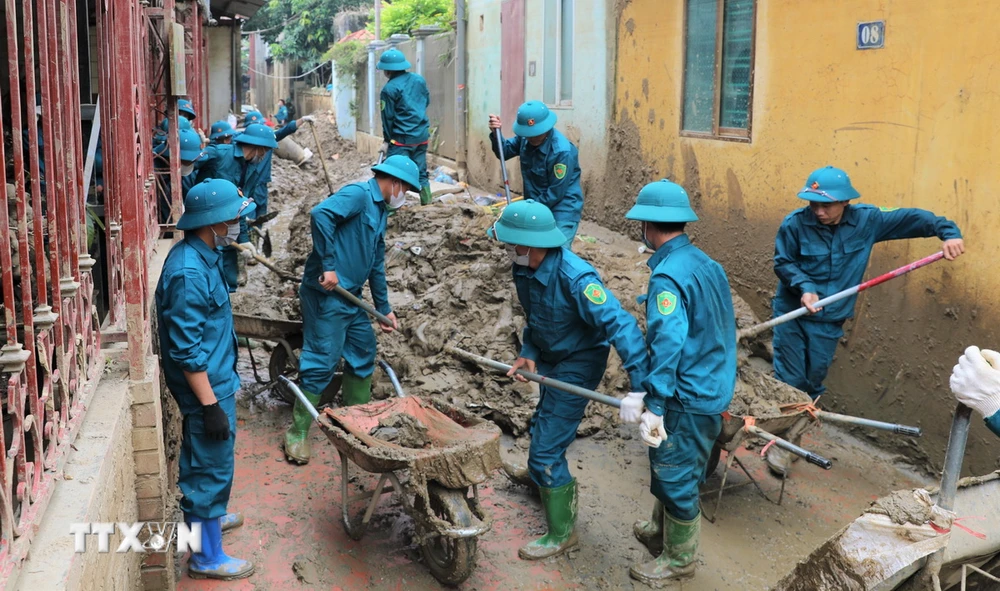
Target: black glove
column 216, row 422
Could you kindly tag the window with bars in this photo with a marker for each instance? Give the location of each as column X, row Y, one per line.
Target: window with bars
column 718, row 68
column 557, row 64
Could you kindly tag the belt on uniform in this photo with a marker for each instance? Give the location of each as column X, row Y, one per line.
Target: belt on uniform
column 423, row 143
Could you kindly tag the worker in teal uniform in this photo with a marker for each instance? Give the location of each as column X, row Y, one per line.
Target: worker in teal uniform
column 190, row 156
column 240, row 163
column 550, row 164
column 260, row 196
column 198, row 352
column 348, row 233
column 160, row 136
column 405, row 127
column 221, row 132
column 975, row 381
column 186, row 109
column 691, row 338
column 282, row 115
column 822, row 249
column 571, row 317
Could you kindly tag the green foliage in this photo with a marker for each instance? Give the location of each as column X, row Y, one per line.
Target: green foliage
column 350, row 57
column 305, row 27
column 402, row 16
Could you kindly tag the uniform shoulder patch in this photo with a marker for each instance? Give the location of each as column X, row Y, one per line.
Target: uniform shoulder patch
column 887, row 209
column 666, row 303
column 560, row 170
column 595, row 293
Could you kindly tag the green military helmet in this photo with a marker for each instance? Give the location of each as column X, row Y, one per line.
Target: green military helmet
column 402, row 168
column 213, row 201
column 393, row 60
column 257, row 135
column 662, row 201
column 828, row 185
column 528, row 223
column 534, row 119
column 184, row 107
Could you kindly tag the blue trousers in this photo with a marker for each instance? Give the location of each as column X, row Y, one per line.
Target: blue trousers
column 333, row 328
column 418, row 154
column 803, row 352
column 677, row 467
column 558, row 414
column 205, row 471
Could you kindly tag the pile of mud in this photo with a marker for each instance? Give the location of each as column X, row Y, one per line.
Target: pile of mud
column 403, row 430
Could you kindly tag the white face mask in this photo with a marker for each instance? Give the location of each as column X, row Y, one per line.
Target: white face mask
column 518, row 259
column 232, row 234
column 187, row 169
column 398, row 199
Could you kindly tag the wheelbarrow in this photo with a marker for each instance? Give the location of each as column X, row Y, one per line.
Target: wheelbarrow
column 433, row 484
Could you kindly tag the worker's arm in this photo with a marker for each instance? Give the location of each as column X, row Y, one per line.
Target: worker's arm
column 184, row 315
column 975, row 381
column 896, row 224
column 564, row 174
column 667, row 330
column 528, row 348
column 786, row 249
column 388, row 104
column 376, row 280
column 511, row 146
column 599, row 308
column 286, row 130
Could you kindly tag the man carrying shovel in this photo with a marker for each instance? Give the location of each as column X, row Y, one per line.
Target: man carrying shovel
column 404, row 100
column 550, row 164
column 348, row 232
column 571, row 317
column 822, row 249
column 691, row 337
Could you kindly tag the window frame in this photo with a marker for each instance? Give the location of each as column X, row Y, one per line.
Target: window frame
column 558, row 102
column 729, row 134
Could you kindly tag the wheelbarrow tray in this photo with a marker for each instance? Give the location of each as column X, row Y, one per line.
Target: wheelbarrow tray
column 768, row 418
column 464, row 449
column 256, row 327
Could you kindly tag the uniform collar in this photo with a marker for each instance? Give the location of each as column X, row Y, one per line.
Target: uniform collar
column 376, row 190
column 666, row 248
column 544, row 147
column 550, row 264
column 208, row 254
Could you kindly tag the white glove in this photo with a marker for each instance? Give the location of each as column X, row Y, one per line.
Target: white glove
column 631, row 408
column 248, row 251
column 975, row 381
column 651, row 429
column 308, row 119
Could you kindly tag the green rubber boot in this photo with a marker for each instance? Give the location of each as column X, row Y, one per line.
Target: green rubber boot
column 297, row 436
column 560, row 513
column 425, row 195
column 355, row 390
column 680, row 543
column 650, row 533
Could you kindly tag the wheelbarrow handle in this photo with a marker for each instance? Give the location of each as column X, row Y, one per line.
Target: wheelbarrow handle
column 791, row 447
column 861, row 422
column 302, row 397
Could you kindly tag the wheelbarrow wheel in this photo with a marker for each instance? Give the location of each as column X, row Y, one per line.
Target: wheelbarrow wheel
column 713, row 460
column 281, row 364
column 450, row 560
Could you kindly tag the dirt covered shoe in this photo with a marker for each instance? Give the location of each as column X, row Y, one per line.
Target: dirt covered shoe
column 680, row 543
column 650, row 533
column 560, row 513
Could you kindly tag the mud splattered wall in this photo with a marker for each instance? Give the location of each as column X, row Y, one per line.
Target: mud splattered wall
column 582, row 118
column 913, row 125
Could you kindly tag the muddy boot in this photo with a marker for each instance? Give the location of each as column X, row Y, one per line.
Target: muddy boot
column 680, row 542
column 231, row 521
column 355, row 390
column 650, row 533
column 560, row 513
column 779, row 461
column 297, row 436
column 425, row 195
column 212, row 562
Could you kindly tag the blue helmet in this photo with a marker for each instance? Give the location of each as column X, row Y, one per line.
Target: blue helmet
column 184, row 107
column 252, row 117
column 257, row 135
column 220, row 129
column 528, row 223
column 213, row 201
column 182, row 123
column 534, row 119
column 662, row 201
column 828, row 185
column 190, row 143
column 393, row 60
column 402, row 168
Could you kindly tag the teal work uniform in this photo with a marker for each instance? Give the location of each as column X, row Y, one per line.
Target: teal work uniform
column 993, row 423
column 348, row 232
column 260, row 194
column 404, row 119
column 571, row 317
column 551, row 174
column 691, row 337
column 225, row 161
column 810, row 257
column 195, row 325
column 282, row 115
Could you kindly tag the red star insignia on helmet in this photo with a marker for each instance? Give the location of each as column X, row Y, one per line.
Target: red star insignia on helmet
column 815, row 185
column 531, row 122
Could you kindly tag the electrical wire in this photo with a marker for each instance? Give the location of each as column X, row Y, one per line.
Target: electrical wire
column 265, row 74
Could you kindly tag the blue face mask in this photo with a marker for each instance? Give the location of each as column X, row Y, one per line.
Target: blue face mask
column 645, row 240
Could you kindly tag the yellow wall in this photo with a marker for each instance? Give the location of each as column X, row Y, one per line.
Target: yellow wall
column 913, row 124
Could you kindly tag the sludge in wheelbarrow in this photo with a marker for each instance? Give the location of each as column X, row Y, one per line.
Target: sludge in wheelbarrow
column 463, row 449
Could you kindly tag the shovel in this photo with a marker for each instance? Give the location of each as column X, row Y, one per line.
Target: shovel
column 850, row 291
column 503, row 165
column 322, row 158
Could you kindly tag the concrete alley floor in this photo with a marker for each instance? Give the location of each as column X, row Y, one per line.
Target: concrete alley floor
column 294, row 535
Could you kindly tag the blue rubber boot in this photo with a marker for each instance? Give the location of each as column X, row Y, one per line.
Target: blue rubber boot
column 231, row 521
column 212, row 562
